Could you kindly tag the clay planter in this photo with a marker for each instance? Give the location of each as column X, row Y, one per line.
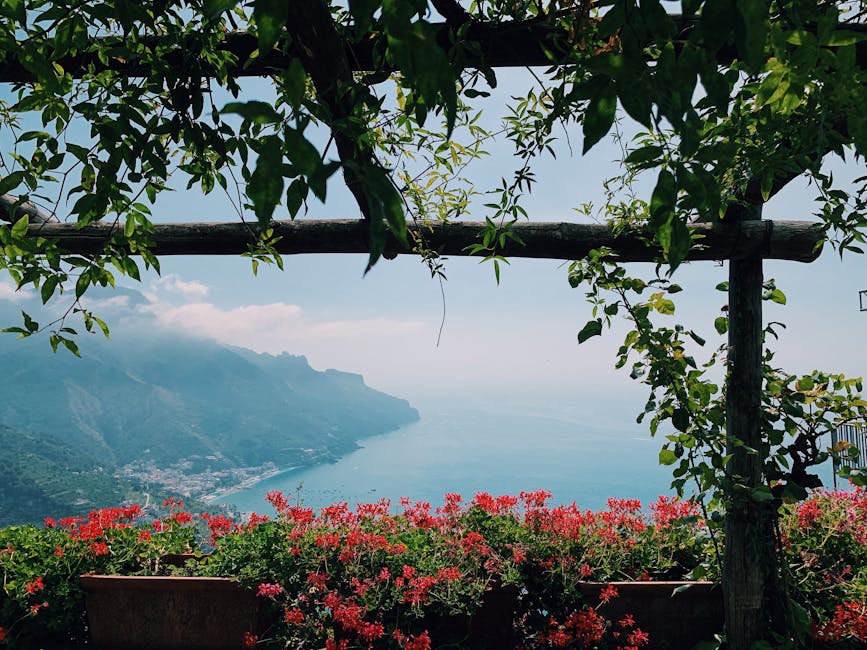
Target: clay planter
column 162, row 613
column 673, row 620
column 488, row 628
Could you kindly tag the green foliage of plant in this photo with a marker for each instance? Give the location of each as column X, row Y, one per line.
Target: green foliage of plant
column 799, row 412
column 375, row 576
column 41, row 600
column 735, row 99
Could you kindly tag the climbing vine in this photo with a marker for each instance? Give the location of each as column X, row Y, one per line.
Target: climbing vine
column 113, row 103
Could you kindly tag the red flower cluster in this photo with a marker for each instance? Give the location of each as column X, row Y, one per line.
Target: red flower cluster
column 848, row 623
column 269, row 590
column 350, row 616
column 410, row 642
column 34, row 585
column 98, row 522
column 581, row 629
column 585, row 628
column 669, row 510
column 357, row 583
column 217, row 526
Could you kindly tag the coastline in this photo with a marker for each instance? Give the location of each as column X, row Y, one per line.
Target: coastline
column 220, row 495
column 248, row 483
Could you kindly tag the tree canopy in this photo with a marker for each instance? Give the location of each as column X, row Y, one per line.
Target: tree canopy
column 113, row 102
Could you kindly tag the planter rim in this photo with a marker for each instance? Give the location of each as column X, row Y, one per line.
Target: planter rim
column 674, row 583
column 93, row 581
column 645, row 589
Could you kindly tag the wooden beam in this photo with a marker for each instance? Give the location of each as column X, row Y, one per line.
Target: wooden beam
column 509, row 45
column 789, row 240
column 498, row 45
column 13, row 208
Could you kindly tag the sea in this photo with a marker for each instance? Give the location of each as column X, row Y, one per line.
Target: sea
column 466, row 451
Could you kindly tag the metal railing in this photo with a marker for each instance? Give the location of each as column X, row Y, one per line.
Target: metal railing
column 852, row 435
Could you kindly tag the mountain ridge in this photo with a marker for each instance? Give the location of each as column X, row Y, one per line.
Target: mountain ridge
column 188, row 412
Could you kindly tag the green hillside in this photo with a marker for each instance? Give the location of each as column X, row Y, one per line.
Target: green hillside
column 43, row 476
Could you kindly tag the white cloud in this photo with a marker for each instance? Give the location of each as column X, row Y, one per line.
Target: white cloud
column 278, row 327
column 107, row 304
column 8, row 292
column 172, row 283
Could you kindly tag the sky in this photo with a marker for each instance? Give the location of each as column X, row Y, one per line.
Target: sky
column 510, row 347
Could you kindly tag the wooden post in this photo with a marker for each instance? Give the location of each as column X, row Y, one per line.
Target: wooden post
column 750, row 573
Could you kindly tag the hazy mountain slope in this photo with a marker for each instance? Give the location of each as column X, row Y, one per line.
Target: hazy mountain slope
column 168, row 398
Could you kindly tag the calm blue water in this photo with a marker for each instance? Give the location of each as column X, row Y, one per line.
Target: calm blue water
column 472, row 451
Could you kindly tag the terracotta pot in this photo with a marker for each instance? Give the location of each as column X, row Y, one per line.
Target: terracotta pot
column 488, row 628
column 674, row 618
column 161, row 613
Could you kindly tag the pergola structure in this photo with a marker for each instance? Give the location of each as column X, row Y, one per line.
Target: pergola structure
column 742, row 238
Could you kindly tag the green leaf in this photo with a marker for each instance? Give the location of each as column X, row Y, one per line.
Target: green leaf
column 843, row 37
column 11, row 181
column 214, row 8
column 48, row 287
column 362, row 12
column 679, row 243
column 721, row 323
column 415, row 52
column 636, row 97
column 386, row 211
column 762, row 494
column 266, row 183
column 662, row 201
column 20, row 227
column 805, row 384
column 304, row 156
column 295, row 196
column 591, row 329
column 717, row 23
column 254, row 111
column 646, row 156
column 667, row 457
column 664, row 306
column 295, row 82
column 680, row 419
column 599, row 116
column 270, row 17
column 751, row 32
column 29, row 323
